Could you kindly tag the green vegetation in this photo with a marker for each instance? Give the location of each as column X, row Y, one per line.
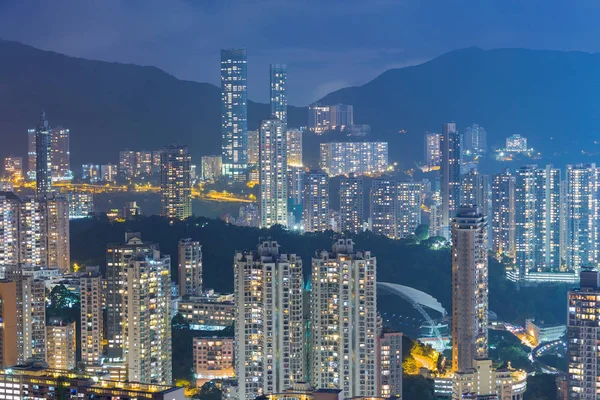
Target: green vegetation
column 541, row 387
column 506, row 347
column 416, row 387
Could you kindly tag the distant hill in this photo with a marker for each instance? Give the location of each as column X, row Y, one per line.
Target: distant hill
column 109, row 106
column 549, row 96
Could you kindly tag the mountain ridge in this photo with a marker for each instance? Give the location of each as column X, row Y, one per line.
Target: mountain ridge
column 548, row 96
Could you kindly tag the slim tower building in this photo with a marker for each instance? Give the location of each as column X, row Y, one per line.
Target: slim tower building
column 60, row 155
column 269, row 324
column 315, row 203
column 92, row 320
column 175, row 182
column 582, row 216
column 343, row 320
column 503, row 214
column 190, row 268
column 43, row 174
column 294, row 147
column 351, row 204
column 408, row 208
column 383, row 198
column 449, row 174
column 273, row 174
column 278, row 93
column 234, row 113
column 469, row 289
column 61, row 343
column 583, row 334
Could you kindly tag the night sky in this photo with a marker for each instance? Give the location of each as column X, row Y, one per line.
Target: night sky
column 327, row 44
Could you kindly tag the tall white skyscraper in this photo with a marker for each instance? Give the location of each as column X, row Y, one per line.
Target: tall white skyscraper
column 118, row 258
column 433, row 154
column 234, row 113
column 273, row 174
column 449, row 174
column 315, row 202
column 469, row 288
column 269, row 324
column 582, row 216
column 92, row 320
column 583, row 333
column 351, row 205
column 189, row 267
column 503, row 214
column 279, row 93
column 537, row 219
column 294, row 147
column 175, row 182
column 408, row 208
column 147, row 319
column 343, row 320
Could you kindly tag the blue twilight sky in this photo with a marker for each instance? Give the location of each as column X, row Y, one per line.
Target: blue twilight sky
column 327, row 44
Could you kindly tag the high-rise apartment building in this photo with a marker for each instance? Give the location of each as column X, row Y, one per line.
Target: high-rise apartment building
column 343, row 321
column 296, row 183
column 81, row 204
column 55, row 233
column 474, row 191
column 60, row 344
column 127, row 164
column 449, row 174
column 156, row 161
column 389, row 347
column 253, row 147
column 60, row 155
column 31, row 314
column 582, row 216
column 503, row 214
column 92, row 172
column 360, row 158
column 273, row 174
column 435, row 214
column 583, row 334
column 433, row 154
column 332, row 117
column 147, row 318
column 383, row 203
column 408, row 208
column 144, row 163
column 475, row 140
column 516, row 144
column 189, row 267
column 43, row 173
column 294, row 147
column 470, row 289
column 537, row 219
column 213, row 359
column 234, row 113
column 269, row 323
column 315, row 202
column 31, row 154
column 351, row 205
column 175, row 182
column 395, row 208
column 279, row 93
column 108, row 172
column 118, row 257
column 9, row 327
column 13, row 168
column 92, row 320
column 211, row 167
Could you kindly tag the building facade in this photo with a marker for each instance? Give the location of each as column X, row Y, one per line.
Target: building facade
column 294, row 147
column 343, row 319
column 13, row 168
column 60, row 344
column 211, row 167
column 269, row 323
column 503, row 215
column 278, row 75
column 449, row 174
column 389, row 346
column 175, row 182
column 43, row 171
column 213, row 359
column 234, row 113
column 433, row 154
column 60, row 154
column 315, row 202
column 273, row 174
column 189, row 267
column 359, row 158
column 583, row 334
column 351, row 205
column 92, row 319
